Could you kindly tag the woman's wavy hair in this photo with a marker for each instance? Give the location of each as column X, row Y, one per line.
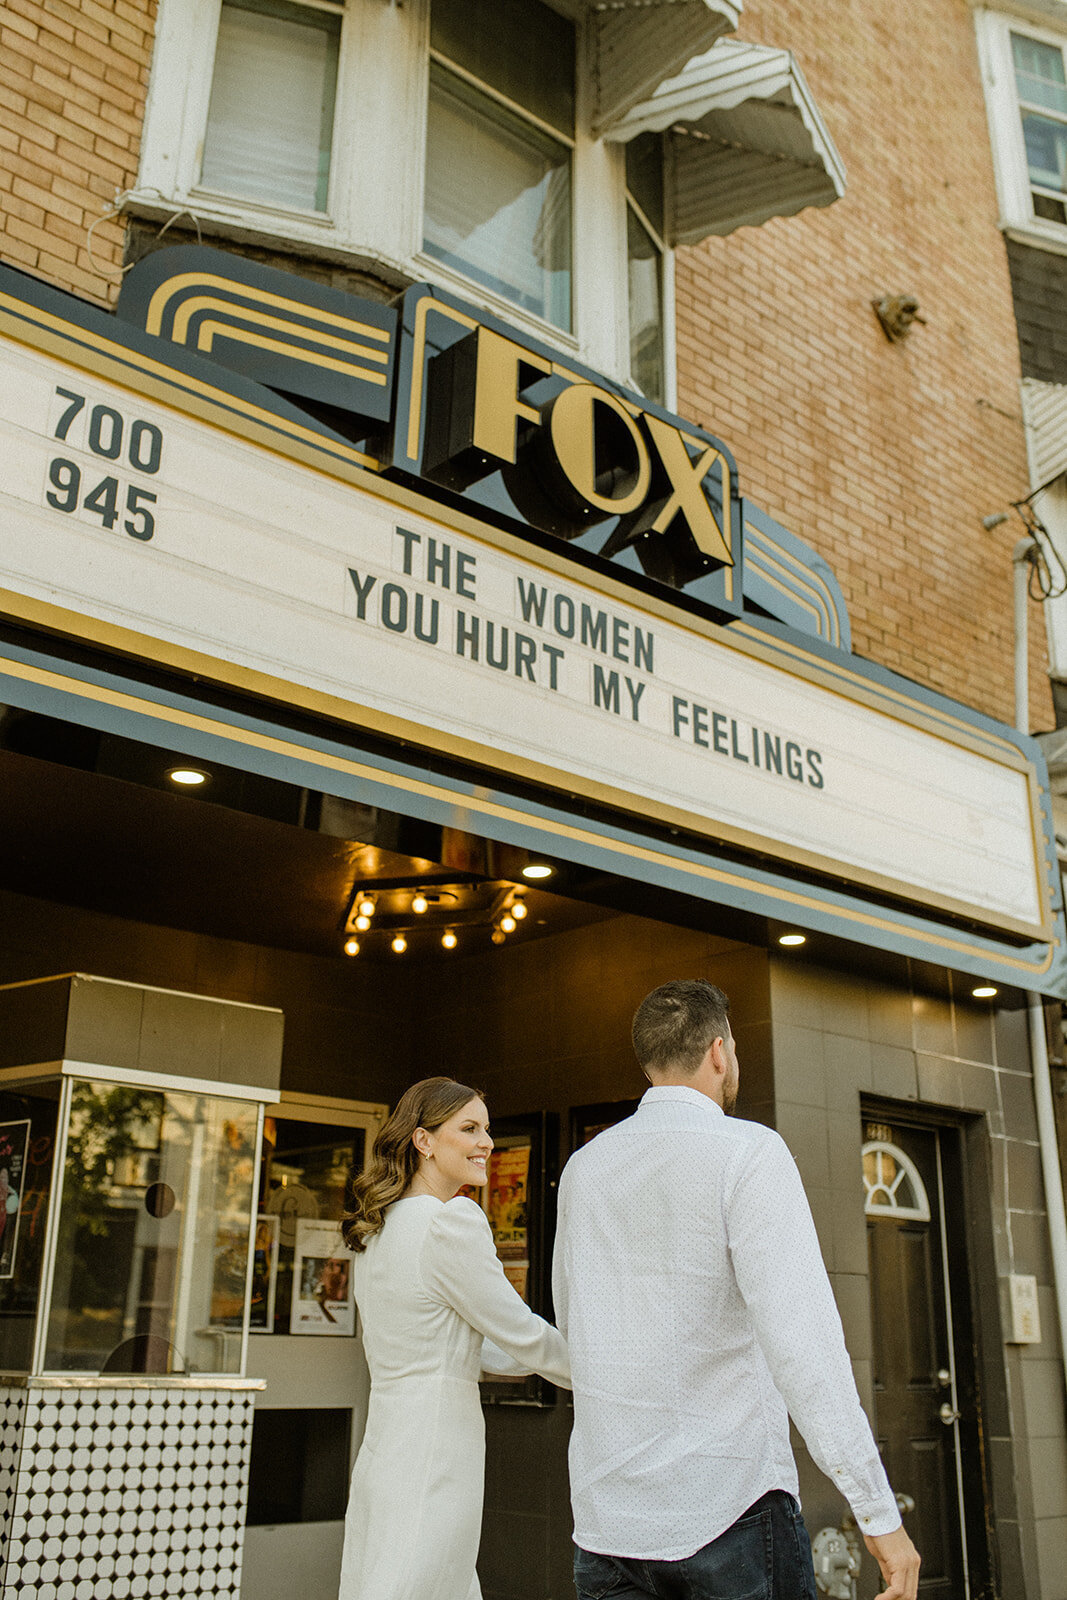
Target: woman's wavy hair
column 394, row 1159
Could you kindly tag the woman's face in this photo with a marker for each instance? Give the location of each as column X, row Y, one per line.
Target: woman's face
column 459, row 1148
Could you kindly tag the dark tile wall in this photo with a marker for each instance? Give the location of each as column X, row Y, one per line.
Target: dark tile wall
column 922, row 1040
column 1039, row 290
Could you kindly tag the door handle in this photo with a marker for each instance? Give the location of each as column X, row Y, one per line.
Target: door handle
column 948, row 1414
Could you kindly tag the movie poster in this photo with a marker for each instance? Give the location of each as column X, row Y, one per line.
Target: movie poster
column 229, row 1275
column 508, row 1191
column 14, row 1140
column 323, row 1301
column 264, row 1274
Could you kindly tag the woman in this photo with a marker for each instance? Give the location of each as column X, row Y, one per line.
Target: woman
column 435, row 1309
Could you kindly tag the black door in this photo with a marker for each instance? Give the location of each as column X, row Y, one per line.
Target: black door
column 918, row 1388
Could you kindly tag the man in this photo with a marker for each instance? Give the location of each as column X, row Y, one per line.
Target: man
column 690, row 1288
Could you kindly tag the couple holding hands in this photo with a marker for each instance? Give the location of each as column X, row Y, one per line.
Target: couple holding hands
column 695, row 1317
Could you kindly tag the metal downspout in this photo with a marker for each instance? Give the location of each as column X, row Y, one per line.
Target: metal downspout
column 1046, row 1116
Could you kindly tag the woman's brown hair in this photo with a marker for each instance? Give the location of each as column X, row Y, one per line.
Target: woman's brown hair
column 394, row 1159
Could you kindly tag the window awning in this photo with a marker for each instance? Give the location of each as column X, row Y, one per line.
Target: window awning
column 639, row 43
column 746, row 141
column 1045, row 415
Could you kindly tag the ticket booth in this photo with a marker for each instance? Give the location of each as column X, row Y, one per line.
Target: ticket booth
column 131, row 1124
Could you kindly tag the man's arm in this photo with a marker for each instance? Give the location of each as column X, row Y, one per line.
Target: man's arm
column 899, row 1562
column 779, row 1270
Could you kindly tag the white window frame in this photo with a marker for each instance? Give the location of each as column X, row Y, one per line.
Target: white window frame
column 373, row 220
column 994, row 30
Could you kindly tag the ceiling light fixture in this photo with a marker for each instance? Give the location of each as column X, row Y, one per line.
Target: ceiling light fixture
column 188, row 777
column 400, row 944
column 351, row 947
column 449, row 940
column 420, row 904
column 985, row 991
column 537, row 869
column 792, row 938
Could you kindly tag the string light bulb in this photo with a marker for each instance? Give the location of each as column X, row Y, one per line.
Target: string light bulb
column 351, row 947
column 498, row 936
column 419, row 904
column 400, row 944
column 519, row 909
column 449, row 940
column 362, row 923
column 365, row 906
column 507, row 922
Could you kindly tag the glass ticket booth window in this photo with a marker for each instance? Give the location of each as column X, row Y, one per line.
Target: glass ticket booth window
column 145, row 1263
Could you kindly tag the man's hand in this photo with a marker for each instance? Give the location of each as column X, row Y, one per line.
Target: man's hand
column 899, row 1561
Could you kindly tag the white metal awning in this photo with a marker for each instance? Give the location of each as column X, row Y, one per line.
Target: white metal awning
column 1045, row 415
column 746, row 141
column 639, row 43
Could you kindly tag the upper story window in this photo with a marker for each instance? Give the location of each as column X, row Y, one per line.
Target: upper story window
column 645, row 254
column 269, row 132
column 1025, row 72
column 499, row 148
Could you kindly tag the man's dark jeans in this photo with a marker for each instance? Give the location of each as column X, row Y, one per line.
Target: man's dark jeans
column 765, row 1555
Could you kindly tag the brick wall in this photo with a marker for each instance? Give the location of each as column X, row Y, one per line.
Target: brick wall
column 72, row 89
column 884, row 457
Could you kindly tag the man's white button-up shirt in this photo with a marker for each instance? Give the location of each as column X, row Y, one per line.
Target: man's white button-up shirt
column 691, row 1290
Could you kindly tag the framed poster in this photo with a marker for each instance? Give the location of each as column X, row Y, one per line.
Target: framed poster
column 588, row 1121
column 264, row 1274
column 14, row 1142
column 519, row 1200
column 323, row 1301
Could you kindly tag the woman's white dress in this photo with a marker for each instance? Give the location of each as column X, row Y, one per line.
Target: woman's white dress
column 435, row 1309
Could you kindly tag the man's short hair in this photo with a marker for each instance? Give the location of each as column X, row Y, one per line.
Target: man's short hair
column 674, row 1026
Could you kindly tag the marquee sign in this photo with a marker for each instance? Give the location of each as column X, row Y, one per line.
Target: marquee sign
column 210, row 518
column 447, row 397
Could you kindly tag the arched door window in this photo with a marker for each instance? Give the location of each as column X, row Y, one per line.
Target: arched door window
column 892, row 1185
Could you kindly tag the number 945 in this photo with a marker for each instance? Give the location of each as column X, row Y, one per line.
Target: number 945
column 65, row 495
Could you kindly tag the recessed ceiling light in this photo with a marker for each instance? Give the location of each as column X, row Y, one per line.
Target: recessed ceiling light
column 984, row 991
column 792, row 938
column 189, row 777
column 537, row 869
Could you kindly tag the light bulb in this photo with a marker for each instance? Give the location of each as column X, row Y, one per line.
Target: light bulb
column 508, row 924
column 537, row 869
column 400, row 944
column 362, row 923
column 518, row 910
column 365, row 906
column 351, row 947
column 984, row 991
column 419, row 904
column 188, row 777
column 498, row 936
column 792, row 938
column 449, row 940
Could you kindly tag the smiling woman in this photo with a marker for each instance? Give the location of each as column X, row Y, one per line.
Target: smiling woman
column 436, row 1310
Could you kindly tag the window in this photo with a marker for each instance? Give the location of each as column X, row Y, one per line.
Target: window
column 270, row 119
column 448, row 140
column 892, row 1186
column 499, row 137
column 645, row 252
column 1026, row 95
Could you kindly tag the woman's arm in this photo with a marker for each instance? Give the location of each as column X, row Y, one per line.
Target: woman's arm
column 460, row 1265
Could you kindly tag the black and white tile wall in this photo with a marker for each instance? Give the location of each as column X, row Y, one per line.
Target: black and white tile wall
column 112, row 1491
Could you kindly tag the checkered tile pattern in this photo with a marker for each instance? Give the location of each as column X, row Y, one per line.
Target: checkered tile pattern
column 122, row 1493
